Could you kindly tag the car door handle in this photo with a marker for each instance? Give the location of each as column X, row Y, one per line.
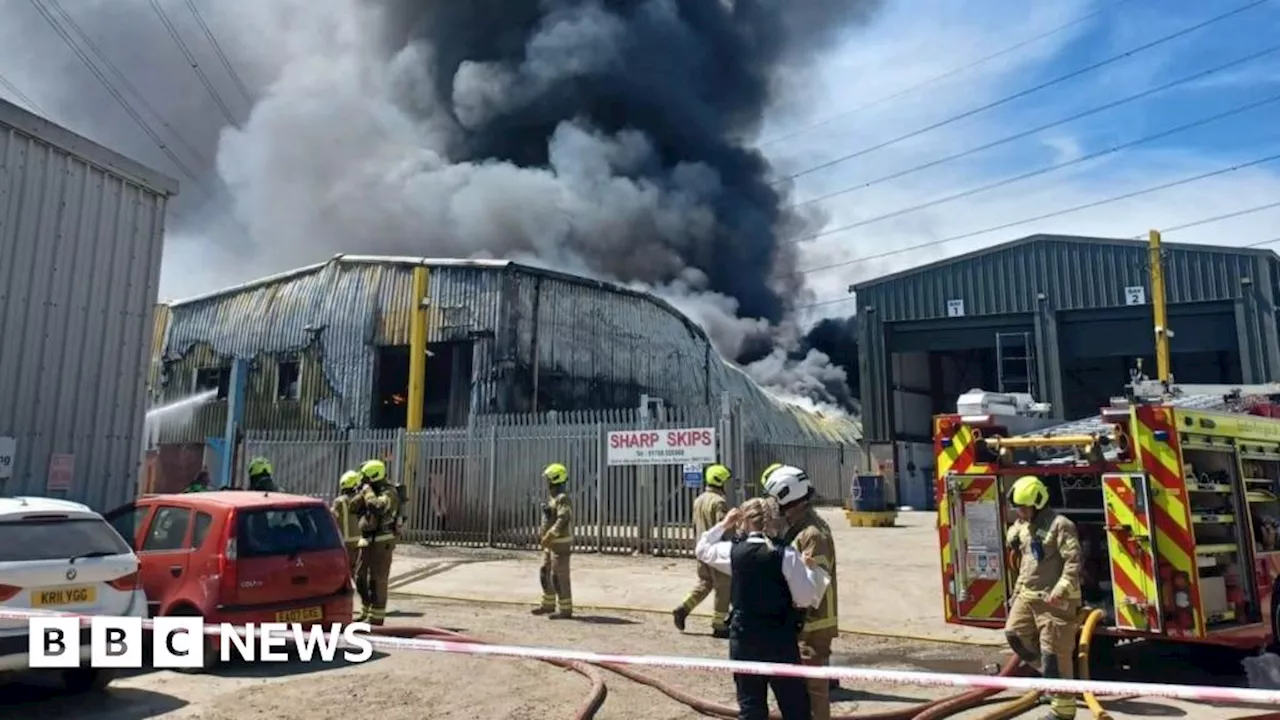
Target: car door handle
column 175, row 570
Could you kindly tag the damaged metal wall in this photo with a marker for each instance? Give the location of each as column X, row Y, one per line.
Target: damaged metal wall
column 596, row 346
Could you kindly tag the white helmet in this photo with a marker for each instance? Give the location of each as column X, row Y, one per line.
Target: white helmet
column 787, row 484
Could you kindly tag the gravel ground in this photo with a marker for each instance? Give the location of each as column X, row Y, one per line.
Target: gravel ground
column 413, row 685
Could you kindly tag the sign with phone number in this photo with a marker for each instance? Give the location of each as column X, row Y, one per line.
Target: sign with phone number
column 662, row 447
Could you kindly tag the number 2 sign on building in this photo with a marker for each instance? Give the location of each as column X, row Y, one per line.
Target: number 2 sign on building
column 661, row 447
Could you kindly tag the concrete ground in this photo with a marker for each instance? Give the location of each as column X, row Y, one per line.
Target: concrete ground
column 889, row 585
column 903, row 559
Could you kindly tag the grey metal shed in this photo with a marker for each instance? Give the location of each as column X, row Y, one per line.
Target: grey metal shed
column 81, row 236
column 1063, row 317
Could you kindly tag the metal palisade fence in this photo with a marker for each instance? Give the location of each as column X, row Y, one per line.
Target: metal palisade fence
column 481, row 485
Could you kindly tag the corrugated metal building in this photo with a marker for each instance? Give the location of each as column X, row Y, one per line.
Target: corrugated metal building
column 81, row 235
column 1062, row 317
column 328, row 346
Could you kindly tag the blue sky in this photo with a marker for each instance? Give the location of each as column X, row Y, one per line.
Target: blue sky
column 914, row 40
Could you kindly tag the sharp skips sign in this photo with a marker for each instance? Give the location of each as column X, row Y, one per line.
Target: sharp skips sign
column 662, row 447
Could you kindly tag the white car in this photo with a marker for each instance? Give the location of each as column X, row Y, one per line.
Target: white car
column 61, row 555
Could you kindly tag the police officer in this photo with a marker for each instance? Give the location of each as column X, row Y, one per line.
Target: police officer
column 770, row 584
column 811, row 536
column 348, row 520
column 556, row 540
column 709, row 508
column 1042, row 623
column 261, row 475
column 377, row 505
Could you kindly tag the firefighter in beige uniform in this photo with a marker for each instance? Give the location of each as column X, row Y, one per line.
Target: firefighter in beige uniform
column 348, row 520
column 811, row 536
column 709, row 509
column 556, row 540
column 1043, row 622
column 378, row 505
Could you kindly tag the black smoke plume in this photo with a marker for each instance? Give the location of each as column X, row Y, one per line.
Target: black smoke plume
column 612, row 138
column 684, row 83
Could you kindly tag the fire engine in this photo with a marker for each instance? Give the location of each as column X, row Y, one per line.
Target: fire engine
column 1175, row 491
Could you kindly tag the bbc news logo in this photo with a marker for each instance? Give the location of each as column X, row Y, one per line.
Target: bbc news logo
column 180, row 642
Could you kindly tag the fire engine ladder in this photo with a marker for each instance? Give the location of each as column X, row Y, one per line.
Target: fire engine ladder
column 1016, row 363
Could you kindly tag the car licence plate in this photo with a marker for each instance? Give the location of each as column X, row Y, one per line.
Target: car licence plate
column 300, row 615
column 83, row 595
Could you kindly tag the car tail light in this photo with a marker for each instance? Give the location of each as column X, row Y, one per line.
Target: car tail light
column 8, row 591
column 125, row 583
column 227, row 571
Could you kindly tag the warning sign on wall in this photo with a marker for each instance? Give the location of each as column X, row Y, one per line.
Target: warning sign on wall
column 661, row 447
column 61, row 470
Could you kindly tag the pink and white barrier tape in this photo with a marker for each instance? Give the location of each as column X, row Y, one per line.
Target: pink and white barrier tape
column 866, row 675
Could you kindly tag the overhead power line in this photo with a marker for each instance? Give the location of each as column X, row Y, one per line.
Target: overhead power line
column 21, row 97
column 115, row 93
column 1023, row 93
column 949, row 74
column 1056, row 213
column 123, row 80
column 1166, row 231
column 1216, row 218
column 128, row 107
column 1047, row 126
column 1052, row 168
column 1262, row 242
column 217, row 48
column 191, row 60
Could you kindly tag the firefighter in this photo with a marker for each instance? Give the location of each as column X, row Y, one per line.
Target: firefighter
column 348, row 520
column 811, row 536
column 556, row 540
column 771, row 584
column 709, row 509
column 261, row 475
column 1042, row 624
column 377, row 505
column 200, row 483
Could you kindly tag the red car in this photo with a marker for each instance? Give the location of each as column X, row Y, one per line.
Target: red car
column 239, row 556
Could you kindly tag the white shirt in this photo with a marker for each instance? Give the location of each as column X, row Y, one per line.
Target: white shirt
column 807, row 585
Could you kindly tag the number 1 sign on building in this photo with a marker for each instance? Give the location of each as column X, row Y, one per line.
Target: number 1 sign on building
column 661, row 447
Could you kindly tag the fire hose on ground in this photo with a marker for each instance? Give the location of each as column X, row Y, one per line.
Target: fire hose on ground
column 1029, row 700
column 930, row 710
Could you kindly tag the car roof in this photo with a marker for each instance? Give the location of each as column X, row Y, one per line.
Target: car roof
column 233, row 499
column 23, row 505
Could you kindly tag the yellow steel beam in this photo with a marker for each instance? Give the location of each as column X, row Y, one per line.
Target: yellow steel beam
column 417, row 369
column 1156, row 261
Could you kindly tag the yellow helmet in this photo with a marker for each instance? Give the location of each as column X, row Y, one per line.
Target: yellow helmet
column 260, row 466
column 375, row 470
column 1029, row 491
column 556, row 474
column 350, row 480
column 764, row 476
column 717, row 475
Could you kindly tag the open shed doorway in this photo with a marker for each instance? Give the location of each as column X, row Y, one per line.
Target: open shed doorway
column 447, row 401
